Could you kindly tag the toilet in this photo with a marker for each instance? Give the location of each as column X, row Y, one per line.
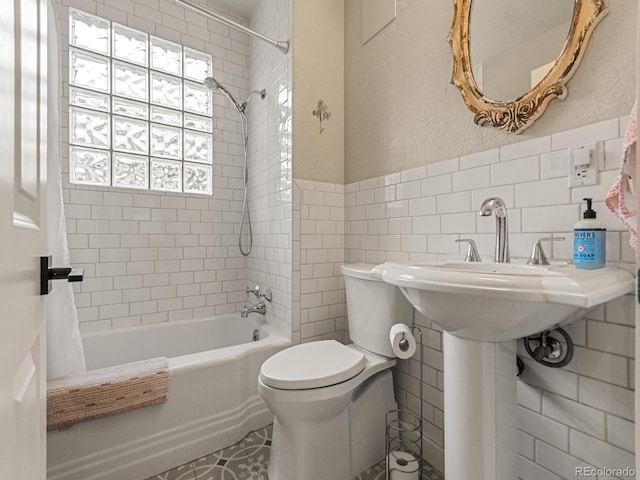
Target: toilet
column 329, row 400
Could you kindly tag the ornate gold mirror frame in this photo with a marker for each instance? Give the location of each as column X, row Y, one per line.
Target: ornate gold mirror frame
column 519, row 114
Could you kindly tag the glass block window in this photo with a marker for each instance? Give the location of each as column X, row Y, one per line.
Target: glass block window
column 139, row 115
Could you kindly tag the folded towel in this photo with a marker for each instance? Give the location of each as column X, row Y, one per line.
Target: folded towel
column 106, row 391
column 621, row 198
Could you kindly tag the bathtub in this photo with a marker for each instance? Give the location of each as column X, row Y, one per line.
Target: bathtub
column 213, row 401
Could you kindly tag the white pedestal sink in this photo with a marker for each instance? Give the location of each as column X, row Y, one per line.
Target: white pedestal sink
column 482, row 308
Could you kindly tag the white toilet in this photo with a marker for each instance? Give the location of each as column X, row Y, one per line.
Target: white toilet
column 329, row 400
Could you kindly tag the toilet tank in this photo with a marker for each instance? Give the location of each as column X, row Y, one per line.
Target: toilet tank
column 373, row 306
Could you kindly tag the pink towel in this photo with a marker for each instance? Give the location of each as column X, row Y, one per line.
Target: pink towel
column 621, row 198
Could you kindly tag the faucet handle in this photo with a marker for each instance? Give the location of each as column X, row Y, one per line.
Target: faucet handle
column 538, row 256
column 472, row 251
column 257, row 291
column 267, row 295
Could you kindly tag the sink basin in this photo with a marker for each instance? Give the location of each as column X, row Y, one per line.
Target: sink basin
column 503, row 301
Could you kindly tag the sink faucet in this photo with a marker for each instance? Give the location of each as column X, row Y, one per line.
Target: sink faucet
column 260, row 308
column 496, row 206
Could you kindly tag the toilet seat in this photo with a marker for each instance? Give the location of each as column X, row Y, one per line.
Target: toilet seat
column 312, row 365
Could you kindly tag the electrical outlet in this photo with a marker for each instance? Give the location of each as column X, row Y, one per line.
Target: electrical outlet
column 583, row 164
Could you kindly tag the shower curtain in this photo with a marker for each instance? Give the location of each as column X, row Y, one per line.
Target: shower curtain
column 65, row 355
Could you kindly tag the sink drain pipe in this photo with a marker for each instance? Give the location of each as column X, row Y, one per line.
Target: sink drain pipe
column 549, row 350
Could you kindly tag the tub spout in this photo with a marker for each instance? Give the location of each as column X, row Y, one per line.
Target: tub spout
column 260, row 308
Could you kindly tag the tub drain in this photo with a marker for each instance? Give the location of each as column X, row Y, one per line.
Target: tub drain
column 255, row 336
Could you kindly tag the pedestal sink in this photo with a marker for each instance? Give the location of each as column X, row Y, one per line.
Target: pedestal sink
column 482, row 308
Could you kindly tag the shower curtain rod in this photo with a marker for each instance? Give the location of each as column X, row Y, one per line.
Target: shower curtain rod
column 283, row 46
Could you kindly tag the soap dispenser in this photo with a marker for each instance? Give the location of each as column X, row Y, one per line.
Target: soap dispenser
column 589, row 240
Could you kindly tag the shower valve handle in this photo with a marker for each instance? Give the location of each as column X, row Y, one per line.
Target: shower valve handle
column 267, row 295
column 257, row 291
column 47, row 274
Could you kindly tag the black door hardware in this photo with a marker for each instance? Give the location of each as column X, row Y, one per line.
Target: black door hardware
column 47, row 274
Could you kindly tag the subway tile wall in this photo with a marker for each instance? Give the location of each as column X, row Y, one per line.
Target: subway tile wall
column 154, row 257
column 576, row 416
column 319, row 308
column 270, row 190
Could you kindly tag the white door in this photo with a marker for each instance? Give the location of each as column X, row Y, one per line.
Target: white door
column 23, row 149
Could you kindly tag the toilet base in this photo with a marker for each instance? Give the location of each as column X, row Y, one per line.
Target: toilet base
column 336, row 446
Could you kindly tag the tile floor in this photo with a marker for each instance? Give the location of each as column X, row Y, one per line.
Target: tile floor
column 248, row 459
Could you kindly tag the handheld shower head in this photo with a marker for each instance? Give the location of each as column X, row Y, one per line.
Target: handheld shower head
column 214, row 84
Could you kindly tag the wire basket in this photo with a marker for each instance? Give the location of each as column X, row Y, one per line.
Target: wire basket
column 403, row 445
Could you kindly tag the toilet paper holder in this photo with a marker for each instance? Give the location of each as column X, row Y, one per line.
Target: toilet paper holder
column 404, row 343
column 403, row 437
column 402, row 339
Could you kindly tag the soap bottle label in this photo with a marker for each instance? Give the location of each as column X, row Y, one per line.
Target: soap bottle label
column 589, row 248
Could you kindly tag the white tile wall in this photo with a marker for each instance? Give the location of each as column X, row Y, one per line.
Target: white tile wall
column 151, row 257
column 269, row 264
column 576, row 416
column 318, row 251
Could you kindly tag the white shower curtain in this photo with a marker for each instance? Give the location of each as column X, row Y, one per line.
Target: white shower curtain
column 65, row 355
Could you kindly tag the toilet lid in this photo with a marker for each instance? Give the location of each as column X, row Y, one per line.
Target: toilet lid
column 311, row 365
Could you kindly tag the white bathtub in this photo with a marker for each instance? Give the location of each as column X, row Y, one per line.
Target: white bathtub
column 213, row 401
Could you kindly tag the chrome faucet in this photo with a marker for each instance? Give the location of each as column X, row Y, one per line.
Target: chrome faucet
column 260, row 293
column 496, row 206
column 472, row 250
column 538, row 257
column 260, row 308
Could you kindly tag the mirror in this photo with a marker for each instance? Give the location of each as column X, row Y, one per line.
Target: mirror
column 505, row 51
column 512, row 57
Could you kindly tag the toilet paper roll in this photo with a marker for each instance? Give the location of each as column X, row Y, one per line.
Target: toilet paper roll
column 403, row 466
column 402, row 341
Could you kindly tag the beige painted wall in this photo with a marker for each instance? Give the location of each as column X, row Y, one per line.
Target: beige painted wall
column 401, row 110
column 318, row 73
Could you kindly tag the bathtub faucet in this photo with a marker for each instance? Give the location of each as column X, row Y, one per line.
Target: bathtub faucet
column 260, row 308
